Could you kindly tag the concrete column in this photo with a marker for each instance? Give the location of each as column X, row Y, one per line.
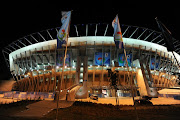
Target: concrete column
column 35, row 83
column 50, row 86
column 141, row 83
column 49, row 83
column 43, row 83
column 26, row 81
column 102, row 77
column 78, row 64
column 19, row 85
column 38, row 83
column 29, row 86
column 85, row 67
column 54, row 75
column 22, row 85
column 165, row 81
column 32, row 81
column 58, row 75
column 70, row 73
column 94, row 72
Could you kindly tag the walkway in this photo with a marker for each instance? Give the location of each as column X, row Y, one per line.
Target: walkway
column 5, row 100
column 39, row 109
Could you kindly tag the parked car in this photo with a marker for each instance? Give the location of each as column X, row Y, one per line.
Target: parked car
column 94, row 97
column 143, row 102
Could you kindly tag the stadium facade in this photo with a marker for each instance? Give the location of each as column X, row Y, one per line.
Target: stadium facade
column 36, row 63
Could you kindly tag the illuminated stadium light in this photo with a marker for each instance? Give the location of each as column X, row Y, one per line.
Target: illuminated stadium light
column 81, row 80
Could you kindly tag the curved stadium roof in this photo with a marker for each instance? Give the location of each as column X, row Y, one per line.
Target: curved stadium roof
column 100, row 29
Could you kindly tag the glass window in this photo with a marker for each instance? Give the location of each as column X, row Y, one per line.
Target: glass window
column 90, row 77
column 105, row 77
column 97, row 77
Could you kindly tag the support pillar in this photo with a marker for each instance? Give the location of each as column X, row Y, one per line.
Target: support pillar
column 77, row 70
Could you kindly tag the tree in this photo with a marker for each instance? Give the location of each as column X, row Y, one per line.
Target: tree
column 113, row 81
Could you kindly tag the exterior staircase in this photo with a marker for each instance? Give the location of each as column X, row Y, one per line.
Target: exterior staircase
column 144, row 64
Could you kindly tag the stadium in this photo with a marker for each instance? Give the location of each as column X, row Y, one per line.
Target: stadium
column 36, row 64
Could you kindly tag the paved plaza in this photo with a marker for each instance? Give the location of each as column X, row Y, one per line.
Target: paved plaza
column 39, row 109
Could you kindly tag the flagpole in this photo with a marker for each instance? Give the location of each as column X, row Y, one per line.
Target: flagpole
column 130, row 83
column 62, row 75
column 128, row 69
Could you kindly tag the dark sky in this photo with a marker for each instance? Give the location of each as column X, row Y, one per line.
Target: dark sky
column 19, row 19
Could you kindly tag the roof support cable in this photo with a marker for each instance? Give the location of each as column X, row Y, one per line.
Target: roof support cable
column 96, row 29
column 175, row 42
column 27, row 40
column 49, row 35
column 21, row 43
column 160, row 40
column 86, row 29
column 5, row 52
column 76, row 30
column 156, row 38
column 125, row 31
column 148, row 35
column 12, row 47
column 16, row 45
column 7, row 49
column 106, row 30
column 142, row 33
column 34, row 38
column 7, row 63
column 177, row 45
column 134, row 32
column 42, row 36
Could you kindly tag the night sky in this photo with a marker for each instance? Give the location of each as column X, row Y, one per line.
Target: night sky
column 19, row 19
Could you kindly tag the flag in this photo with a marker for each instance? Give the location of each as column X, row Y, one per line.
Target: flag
column 117, row 33
column 64, row 30
column 166, row 35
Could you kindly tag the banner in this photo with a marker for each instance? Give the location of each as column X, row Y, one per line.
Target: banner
column 153, row 64
column 117, row 33
column 122, row 59
column 99, row 59
column 60, row 58
column 62, row 34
